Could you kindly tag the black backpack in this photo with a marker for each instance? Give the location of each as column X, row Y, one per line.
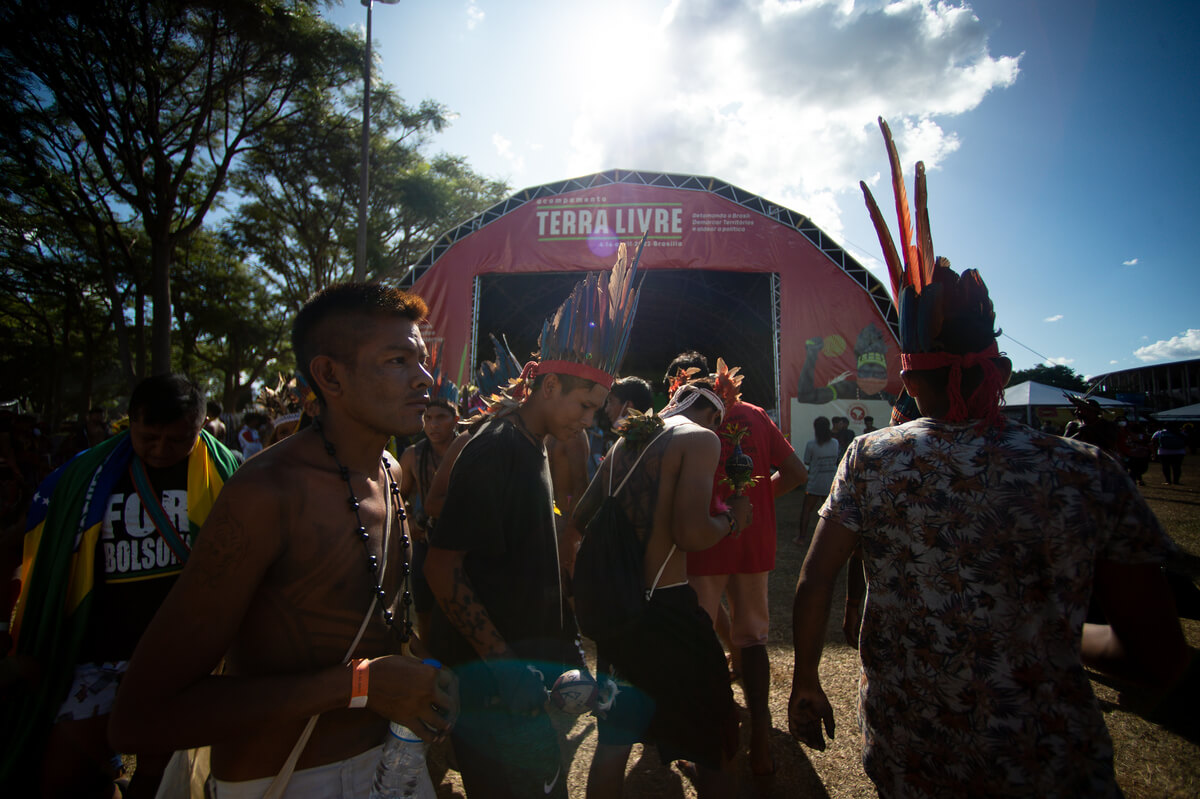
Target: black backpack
column 610, row 592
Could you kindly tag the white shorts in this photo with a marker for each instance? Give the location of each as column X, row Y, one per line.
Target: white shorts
column 345, row 779
column 93, row 691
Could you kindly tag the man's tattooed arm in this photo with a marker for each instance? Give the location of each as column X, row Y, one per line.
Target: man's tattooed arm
column 450, row 584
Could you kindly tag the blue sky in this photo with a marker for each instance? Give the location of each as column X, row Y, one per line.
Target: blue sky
column 1059, row 134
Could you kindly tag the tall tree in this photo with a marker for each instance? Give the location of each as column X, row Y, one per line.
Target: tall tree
column 232, row 329
column 147, row 104
column 1059, row 376
column 299, row 220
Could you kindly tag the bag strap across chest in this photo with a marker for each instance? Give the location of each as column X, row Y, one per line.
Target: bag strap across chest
column 624, row 480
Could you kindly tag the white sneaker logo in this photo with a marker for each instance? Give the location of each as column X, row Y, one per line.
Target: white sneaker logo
column 549, row 786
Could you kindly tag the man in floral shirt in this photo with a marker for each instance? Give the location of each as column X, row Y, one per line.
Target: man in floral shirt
column 983, row 541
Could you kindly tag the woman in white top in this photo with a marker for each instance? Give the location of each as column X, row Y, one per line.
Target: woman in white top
column 821, row 458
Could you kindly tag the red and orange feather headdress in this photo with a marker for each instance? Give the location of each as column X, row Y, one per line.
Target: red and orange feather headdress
column 928, row 295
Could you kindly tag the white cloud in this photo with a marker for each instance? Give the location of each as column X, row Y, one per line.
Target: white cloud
column 1054, row 318
column 1113, row 363
column 1130, row 262
column 1185, row 345
column 505, row 150
column 475, row 15
column 781, row 97
column 1060, row 361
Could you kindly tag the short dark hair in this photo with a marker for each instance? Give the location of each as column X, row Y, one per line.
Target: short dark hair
column 635, row 390
column 568, row 382
column 316, row 330
column 214, row 409
column 822, row 429
column 163, row 399
column 685, row 360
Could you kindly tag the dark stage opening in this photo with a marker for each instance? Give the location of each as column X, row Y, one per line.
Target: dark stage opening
column 726, row 314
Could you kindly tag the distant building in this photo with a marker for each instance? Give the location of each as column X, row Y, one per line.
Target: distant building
column 1156, row 387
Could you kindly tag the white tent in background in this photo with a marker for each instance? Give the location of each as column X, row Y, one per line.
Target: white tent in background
column 1031, row 394
column 1180, row 414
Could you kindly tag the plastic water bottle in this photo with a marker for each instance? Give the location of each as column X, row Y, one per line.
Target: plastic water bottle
column 402, row 773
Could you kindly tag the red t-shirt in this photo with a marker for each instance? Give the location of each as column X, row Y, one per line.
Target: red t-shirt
column 753, row 550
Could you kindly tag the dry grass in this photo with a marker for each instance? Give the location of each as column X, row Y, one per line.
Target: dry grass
column 1151, row 760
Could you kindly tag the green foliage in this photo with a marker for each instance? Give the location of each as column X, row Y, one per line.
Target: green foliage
column 126, row 123
column 232, row 331
column 300, row 219
column 1058, row 376
column 143, row 107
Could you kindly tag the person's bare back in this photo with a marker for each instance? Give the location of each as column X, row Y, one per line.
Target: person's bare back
column 665, row 492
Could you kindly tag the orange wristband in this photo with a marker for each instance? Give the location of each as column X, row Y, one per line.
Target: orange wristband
column 360, row 671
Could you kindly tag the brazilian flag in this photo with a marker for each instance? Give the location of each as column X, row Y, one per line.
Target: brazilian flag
column 52, row 611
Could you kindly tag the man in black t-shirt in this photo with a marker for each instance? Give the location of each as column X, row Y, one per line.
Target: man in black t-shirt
column 493, row 561
column 493, row 566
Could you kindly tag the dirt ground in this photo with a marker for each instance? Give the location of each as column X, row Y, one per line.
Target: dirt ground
column 1153, row 759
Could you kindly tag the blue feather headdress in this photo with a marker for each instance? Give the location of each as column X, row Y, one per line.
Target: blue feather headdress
column 442, row 388
column 588, row 335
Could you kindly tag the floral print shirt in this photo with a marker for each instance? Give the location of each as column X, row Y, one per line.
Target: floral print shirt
column 980, row 551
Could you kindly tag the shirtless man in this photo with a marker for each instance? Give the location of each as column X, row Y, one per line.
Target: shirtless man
column 212, row 420
column 286, row 571
column 418, row 464
column 673, row 684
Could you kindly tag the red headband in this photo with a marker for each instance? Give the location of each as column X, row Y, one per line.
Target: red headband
column 573, row 369
column 985, row 401
column 533, row 369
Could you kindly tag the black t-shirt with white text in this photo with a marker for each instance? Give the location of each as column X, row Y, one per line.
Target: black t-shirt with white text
column 135, row 568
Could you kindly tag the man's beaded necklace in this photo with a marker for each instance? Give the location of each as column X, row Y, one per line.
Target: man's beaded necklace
column 404, row 630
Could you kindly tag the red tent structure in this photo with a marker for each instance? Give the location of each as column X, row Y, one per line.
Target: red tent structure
column 726, row 272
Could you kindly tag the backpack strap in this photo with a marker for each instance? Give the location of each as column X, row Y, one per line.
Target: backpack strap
column 661, row 569
column 638, row 460
column 152, row 502
column 628, row 474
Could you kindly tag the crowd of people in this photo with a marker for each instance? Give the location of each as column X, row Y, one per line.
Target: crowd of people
column 256, row 619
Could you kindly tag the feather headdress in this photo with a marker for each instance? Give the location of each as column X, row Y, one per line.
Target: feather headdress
column 492, row 379
column 588, row 335
column 728, row 383
column 492, row 376
column 681, row 378
column 946, row 320
column 282, row 400
column 442, row 387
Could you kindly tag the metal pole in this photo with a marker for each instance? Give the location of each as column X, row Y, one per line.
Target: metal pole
column 360, row 254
